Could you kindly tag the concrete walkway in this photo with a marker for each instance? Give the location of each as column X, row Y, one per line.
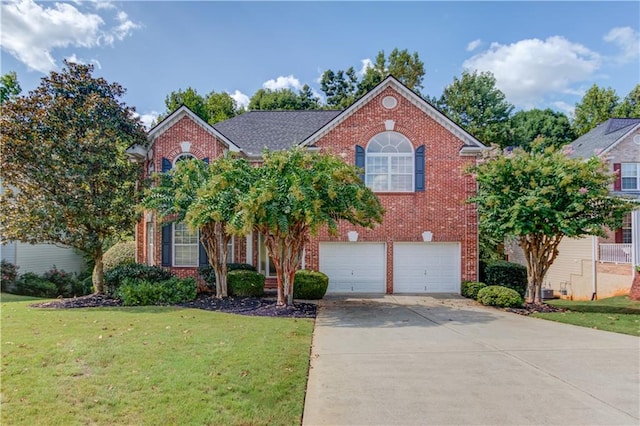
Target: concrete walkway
column 417, row 360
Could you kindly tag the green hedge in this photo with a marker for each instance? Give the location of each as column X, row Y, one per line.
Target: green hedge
column 499, row 296
column 310, row 285
column 122, row 253
column 208, row 274
column 470, row 289
column 140, row 292
column 30, row 284
column 245, row 283
column 507, row 274
column 116, row 276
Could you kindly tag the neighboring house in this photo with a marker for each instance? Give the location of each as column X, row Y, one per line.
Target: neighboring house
column 40, row 258
column 413, row 157
column 601, row 267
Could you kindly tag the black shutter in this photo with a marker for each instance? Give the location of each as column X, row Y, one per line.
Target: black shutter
column 419, row 169
column 203, row 260
column 206, row 160
column 166, row 244
column 166, row 165
column 360, row 159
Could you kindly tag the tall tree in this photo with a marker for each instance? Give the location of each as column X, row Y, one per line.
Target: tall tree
column 541, row 196
column 554, row 127
column 340, row 88
column 630, row 105
column 271, row 100
column 190, row 98
column 67, row 177
column 307, row 100
column 9, row 87
column 220, row 106
column 293, row 194
column 475, row 103
column 205, row 197
column 597, row 105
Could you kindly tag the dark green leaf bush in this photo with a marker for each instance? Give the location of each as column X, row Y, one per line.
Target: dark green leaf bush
column 507, row 274
column 64, row 281
column 499, row 296
column 8, row 275
column 470, row 289
column 141, row 292
column 310, row 285
column 30, row 284
column 245, row 283
column 115, row 277
column 208, row 275
column 122, row 253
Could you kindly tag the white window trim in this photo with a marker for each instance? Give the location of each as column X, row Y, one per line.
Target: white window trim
column 174, row 245
column 183, row 156
column 389, row 174
column 637, row 176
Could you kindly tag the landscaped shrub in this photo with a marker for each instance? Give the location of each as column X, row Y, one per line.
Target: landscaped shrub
column 507, row 274
column 8, row 275
column 122, row 253
column 470, row 289
column 245, row 283
column 115, row 277
column 310, row 285
column 140, row 292
column 499, row 296
column 30, row 284
column 64, row 281
column 208, row 275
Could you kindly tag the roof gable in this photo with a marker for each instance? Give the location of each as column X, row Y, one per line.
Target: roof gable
column 603, row 137
column 180, row 113
column 471, row 144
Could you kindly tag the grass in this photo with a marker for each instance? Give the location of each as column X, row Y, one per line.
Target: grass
column 150, row 365
column 617, row 314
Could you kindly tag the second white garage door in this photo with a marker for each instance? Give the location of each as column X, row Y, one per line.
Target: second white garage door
column 426, row 268
column 354, row 267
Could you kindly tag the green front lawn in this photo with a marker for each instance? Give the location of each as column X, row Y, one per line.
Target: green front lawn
column 617, row 314
column 150, row 365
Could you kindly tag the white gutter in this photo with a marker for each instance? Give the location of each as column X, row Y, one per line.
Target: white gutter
column 594, row 240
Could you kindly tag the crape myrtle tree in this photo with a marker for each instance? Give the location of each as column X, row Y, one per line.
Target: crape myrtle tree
column 293, row 194
column 541, row 196
column 205, row 197
column 65, row 173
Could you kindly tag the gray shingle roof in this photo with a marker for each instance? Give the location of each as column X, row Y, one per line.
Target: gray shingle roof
column 276, row 130
column 602, row 137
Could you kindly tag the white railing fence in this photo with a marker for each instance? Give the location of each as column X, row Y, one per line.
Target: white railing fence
column 615, row 253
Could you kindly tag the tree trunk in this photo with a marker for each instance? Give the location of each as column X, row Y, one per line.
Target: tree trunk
column 286, row 253
column 214, row 239
column 540, row 251
column 97, row 277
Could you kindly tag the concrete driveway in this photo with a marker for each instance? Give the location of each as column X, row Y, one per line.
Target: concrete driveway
column 417, row 360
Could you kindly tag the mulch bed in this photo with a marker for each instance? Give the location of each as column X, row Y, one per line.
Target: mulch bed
column 531, row 308
column 254, row 306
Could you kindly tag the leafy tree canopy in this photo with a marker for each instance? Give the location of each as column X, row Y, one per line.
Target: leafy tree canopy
column 292, row 195
column 554, row 127
column 9, row 86
column 630, row 105
column 212, row 108
column 597, row 106
column 541, row 196
column 66, row 175
column 284, row 99
column 475, row 103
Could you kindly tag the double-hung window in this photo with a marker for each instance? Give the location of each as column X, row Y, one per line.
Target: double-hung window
column 185, row 245
column 630, row 176
column 389, row 163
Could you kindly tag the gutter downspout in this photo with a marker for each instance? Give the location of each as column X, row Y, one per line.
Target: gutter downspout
column 635, row 240
column 594, row 295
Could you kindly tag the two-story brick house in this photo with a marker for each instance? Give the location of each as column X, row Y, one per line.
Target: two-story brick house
column 413, row 157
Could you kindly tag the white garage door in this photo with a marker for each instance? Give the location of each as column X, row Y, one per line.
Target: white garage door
column 426, row 268
column 354, row 267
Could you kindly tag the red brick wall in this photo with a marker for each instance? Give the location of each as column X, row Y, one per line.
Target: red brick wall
column 440, row 209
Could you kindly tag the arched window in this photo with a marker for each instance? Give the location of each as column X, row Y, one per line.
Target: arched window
column 389, row 163
column 181, row 157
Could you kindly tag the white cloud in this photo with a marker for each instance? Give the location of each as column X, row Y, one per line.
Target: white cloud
column 31, row 31
column 74, row 58
column 529, row 69
column 366, row 64
column 241, row 99
column 628, row 40
column 565, row 107
column 283, row 82
column 473, row 45
column 147, row 119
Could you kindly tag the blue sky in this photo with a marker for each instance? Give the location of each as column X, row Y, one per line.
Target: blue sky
column 543, row 54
